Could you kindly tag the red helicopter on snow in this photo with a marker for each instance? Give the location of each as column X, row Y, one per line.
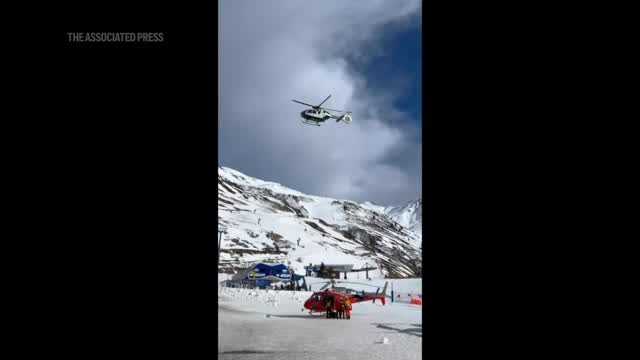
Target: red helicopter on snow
column 334, row 295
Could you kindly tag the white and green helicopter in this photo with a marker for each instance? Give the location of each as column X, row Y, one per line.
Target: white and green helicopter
column 318, row 114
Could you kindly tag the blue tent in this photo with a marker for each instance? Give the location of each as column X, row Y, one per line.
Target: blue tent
column 262, row 283
column 279, row 270
column 262, row 275
column 261, row 270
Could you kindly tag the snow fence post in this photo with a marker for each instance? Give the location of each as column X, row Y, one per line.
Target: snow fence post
column 392, row 291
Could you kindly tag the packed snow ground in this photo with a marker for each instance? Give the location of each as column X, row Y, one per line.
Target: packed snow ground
column 267, row 324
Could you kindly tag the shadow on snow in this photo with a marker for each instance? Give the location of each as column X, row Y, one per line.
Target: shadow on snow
column 415, row 331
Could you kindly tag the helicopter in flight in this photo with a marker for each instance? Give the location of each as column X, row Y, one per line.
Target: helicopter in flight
column 318, row 114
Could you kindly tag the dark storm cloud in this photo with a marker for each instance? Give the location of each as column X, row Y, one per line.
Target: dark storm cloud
column 274, row 51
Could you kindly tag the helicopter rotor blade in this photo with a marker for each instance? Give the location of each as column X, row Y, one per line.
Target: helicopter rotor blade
column 300, row 102
column 325, row 283
column 357, row 283
column 325, row 286
column 343, row 111
column 324, row 101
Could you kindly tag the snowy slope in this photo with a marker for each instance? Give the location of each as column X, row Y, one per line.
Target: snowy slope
column 264, row 221
column 408, row 215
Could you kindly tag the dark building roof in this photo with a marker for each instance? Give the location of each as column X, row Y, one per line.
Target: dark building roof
column 333, row 267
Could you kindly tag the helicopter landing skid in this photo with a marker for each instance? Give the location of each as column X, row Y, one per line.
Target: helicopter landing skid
column 307, row 122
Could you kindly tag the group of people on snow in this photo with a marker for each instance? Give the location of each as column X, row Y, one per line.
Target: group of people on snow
column 338, row 309
column 291, row 286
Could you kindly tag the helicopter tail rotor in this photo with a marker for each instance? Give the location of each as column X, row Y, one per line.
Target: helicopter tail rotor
column 346, row 118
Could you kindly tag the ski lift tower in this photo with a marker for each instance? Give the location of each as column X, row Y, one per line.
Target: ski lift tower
column 221, row 230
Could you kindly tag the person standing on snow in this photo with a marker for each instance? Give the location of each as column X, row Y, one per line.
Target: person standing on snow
column 347, row 304
column 342, row 307
column 327, row 305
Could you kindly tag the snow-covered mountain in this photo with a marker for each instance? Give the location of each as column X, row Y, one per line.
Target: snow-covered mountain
column 269, row 222
column 409, row 215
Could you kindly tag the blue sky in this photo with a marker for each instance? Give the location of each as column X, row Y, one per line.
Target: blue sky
column 402, row 56
column 366, row 54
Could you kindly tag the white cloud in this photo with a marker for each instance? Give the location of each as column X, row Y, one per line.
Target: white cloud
column 274, row 51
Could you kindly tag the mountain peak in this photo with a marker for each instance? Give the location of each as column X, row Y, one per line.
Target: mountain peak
column 408, row 215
